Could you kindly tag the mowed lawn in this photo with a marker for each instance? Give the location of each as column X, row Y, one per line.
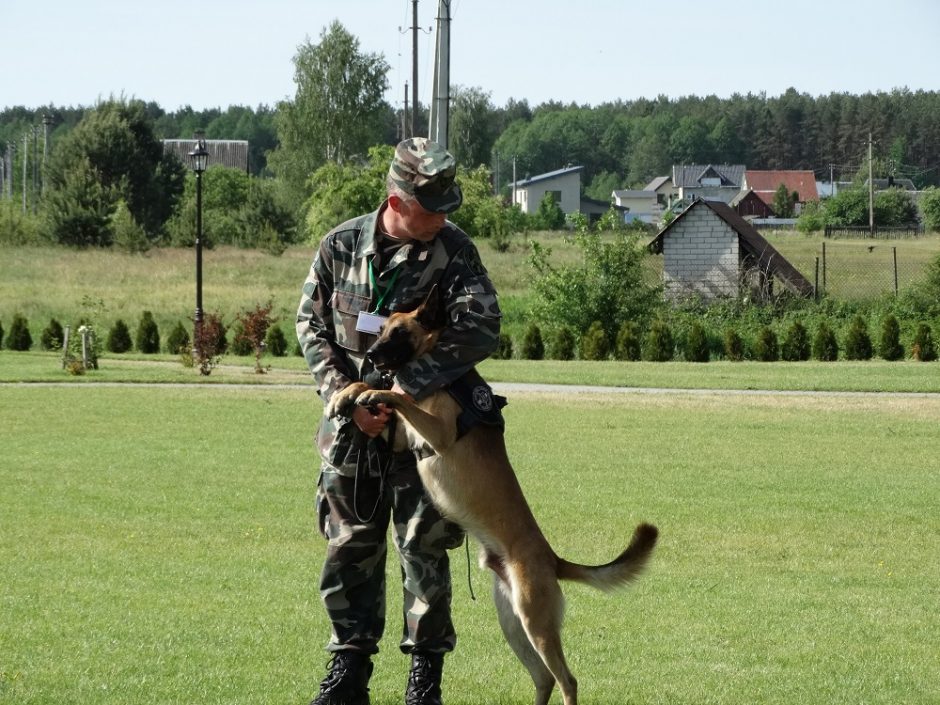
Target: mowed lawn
column 158, row 545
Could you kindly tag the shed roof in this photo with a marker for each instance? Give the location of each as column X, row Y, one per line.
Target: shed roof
column 763, row 253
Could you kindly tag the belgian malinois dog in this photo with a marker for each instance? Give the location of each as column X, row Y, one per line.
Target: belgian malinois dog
column 472, row 482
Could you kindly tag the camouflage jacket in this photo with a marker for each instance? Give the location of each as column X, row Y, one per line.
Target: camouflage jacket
column 338, row 287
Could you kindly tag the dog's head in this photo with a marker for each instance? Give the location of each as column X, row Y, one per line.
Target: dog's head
column 407, row 336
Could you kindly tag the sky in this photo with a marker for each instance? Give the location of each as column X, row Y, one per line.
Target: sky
column 216, row 53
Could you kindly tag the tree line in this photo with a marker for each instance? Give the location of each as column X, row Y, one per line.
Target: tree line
column 105, row 161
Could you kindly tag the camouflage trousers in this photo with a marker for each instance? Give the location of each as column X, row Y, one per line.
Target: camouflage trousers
column 354, row 516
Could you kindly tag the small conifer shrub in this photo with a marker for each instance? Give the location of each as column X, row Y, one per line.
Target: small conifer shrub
column 825, row 345
column 857, row 341
column 594, row 344
column 52, row 336
column 696, row 344
column 19, row 337
column 659, row 345
column 796, row 346
column 562, row 344
column 119, row 338
column 890, row 347
column 532, row 346
column 275, row 341
column 148, row 334
column 504, row 349
column 766, row 347
column 733, row 345
column 923, row 348
column 178, row 339
column 628, row 343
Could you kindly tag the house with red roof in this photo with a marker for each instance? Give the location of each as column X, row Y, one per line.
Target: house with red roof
column 764, row 184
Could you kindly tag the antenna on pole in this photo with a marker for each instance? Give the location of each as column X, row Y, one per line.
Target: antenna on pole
column 440, row 100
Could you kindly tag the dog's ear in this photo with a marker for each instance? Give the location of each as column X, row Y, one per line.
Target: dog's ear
column 430, row 314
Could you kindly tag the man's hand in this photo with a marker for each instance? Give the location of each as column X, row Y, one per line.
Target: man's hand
column 371, row 424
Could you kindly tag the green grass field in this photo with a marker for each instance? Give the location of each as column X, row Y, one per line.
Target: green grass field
column 158, row 545
column 45, row 282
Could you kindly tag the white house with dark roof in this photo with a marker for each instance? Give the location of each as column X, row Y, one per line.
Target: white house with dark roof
column 565, row 184
column 638, row 205
column 717, row 181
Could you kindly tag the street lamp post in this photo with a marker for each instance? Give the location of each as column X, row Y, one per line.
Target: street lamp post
column 198, row 159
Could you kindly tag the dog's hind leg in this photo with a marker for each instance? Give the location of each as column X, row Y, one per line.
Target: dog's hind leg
column 519, row 642
column 539, row 604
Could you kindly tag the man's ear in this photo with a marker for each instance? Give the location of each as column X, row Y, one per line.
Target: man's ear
column 430, row 314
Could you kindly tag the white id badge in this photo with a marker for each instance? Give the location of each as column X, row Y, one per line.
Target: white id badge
column 370, row 323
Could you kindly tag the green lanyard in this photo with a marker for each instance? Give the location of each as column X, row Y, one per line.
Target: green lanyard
column 375, row 285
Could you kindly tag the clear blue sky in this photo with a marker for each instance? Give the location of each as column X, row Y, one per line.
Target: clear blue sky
column 215, row 53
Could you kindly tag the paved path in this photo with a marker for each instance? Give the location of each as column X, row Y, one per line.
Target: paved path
column 516, row 388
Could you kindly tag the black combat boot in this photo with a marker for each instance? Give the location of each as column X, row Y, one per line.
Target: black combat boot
column 347, row 683
column 424, row 681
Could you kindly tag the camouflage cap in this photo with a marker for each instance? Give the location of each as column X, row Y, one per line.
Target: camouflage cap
column 426, row 170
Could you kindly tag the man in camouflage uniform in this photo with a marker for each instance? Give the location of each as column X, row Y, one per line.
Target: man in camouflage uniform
column 366, row 268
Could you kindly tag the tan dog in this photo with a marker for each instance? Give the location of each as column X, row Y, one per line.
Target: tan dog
column 472, row 483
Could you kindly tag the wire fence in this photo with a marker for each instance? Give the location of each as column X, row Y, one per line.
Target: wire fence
column 862, row 269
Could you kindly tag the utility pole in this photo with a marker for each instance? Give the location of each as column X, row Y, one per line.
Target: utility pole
column 25, row 168
column 414, row 66
column 871, row 193
column 46, row 126
column 404, row 115
column 440, row 101
column 832, row 181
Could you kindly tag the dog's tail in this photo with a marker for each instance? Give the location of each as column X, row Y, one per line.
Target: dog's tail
column 623, row 569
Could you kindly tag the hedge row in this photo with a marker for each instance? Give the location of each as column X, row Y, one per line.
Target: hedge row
column 146, row 338
column 659, row 343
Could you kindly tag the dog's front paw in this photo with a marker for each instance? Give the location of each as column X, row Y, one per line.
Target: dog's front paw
column 373, row 397
column 344, row 401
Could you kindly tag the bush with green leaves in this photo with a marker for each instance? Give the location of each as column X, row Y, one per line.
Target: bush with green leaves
column 766, row 346
column 857, row 341
column 52, row 336
column 594, row 345
column 890, row 347
column 504, row 349
column 1, row 335
column 628, row 343
column 177, row 341
column 561, row 344
column 659, row 344
column 275, row 342
column 696, row 344
column 923, row 348
column 825, row 345
column 610, row 285
column 119, row 338
column 930, row 208
column 19, row 337
column 796, row 344
column 733, row 345
column 148, row 334
column 533, row 348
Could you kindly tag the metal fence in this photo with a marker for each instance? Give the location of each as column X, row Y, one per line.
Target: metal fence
column 853, row 270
